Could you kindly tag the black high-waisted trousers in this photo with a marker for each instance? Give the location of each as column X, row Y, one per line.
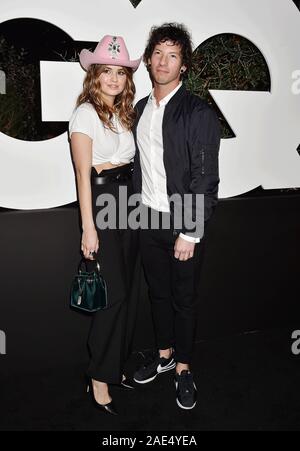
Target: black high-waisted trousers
column 111, row 333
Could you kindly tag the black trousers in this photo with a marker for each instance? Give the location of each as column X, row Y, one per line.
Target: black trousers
column 112, row 329
column 173, row 288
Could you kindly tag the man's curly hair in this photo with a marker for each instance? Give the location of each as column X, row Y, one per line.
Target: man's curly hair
column 176, row 33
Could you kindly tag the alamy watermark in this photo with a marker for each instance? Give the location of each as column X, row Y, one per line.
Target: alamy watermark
column 2, row 82
column 296, row 83
column 296, row 344
column 2, row 342
column 130, row 212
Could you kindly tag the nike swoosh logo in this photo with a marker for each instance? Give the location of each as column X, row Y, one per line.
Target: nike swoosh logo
column 159, row 368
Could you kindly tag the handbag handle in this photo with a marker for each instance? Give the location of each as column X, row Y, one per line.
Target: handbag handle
column 83, row 260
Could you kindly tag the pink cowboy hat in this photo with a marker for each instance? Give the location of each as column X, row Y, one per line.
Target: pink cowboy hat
column 111, row 50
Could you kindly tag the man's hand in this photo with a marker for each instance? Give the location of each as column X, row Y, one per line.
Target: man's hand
column 183, row 249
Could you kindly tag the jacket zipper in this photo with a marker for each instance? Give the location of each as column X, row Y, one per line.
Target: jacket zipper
column 202, row 157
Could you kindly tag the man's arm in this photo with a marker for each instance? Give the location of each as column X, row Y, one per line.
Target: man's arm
column 204, row 157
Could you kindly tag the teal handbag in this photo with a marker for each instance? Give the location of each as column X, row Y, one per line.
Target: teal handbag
column 88, row 290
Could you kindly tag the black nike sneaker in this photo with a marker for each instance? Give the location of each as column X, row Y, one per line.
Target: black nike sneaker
column 154, row 366
column 186, row 391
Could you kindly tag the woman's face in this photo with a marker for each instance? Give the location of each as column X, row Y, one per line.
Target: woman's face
column 112, row 80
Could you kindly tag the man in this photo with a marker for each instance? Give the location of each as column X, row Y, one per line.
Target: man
column 177, row 136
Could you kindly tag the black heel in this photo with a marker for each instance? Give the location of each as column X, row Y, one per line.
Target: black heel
column 108, row 408
column 127, row 384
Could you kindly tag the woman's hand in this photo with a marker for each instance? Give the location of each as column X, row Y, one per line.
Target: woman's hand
column 89, row 243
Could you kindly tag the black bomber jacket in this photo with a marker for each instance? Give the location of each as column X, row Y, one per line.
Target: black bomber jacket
column 191, row 141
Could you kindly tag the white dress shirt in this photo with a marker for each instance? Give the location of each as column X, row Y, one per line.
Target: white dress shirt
column 150, row 143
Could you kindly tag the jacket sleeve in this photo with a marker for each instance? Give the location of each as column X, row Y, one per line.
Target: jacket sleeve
column 204, row 164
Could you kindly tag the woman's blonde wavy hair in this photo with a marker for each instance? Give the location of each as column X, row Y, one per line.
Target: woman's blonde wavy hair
column 123, row 106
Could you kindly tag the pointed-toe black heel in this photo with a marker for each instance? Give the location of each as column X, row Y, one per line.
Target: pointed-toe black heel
column 127, row 384
column 107, row 408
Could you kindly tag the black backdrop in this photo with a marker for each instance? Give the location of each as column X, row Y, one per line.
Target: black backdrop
column 249, row 281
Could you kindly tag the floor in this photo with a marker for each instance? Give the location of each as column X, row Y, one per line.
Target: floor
column 245, row 382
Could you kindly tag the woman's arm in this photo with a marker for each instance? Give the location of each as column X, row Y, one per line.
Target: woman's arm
column 81, row 145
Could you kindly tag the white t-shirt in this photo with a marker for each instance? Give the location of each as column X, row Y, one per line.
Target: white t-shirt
column 108, row 146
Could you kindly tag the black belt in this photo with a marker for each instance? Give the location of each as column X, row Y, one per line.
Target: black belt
column 122, row 176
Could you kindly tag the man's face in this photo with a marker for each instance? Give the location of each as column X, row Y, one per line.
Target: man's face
column 166, row 63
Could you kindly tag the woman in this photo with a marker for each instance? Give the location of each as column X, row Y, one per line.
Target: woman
column 103, row 148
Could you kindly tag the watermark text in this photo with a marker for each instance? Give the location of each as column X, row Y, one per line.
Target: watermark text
column 2, row 342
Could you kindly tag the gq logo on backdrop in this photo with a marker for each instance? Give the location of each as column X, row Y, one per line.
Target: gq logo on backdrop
column 266, row 125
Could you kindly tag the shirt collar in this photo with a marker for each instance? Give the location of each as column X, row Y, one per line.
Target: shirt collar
column 166, row 99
